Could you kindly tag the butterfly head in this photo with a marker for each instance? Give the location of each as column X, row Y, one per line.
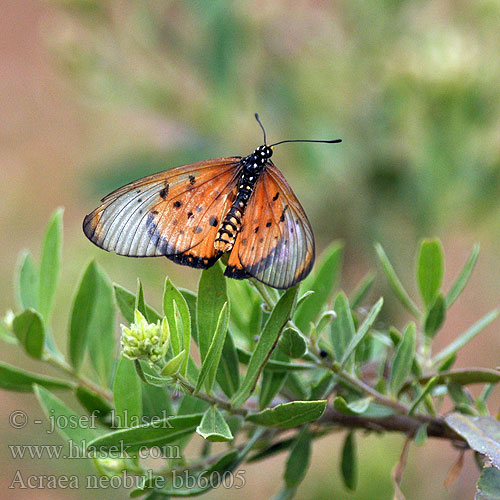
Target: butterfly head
column 263, row 153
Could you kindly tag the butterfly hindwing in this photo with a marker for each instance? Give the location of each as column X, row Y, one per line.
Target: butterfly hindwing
column 173, row 213
column 276, row 243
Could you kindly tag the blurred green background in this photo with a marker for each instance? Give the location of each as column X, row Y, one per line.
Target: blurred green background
column 97, row 93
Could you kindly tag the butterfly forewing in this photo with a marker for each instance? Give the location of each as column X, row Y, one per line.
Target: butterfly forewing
column 276, row 243
column 169, row 213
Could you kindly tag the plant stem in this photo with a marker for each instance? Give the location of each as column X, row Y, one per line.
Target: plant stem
column 362, row 386
column 213, row 400
column 264, row 293
column 60, row 364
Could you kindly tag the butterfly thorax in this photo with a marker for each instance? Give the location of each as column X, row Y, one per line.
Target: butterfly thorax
column 253, row 165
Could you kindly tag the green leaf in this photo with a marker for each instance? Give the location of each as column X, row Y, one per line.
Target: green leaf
column 228, row 372
column 16, row 379
column 488, row 486
column 140, row 303
column 126, row 300
column 421, row 435
column 79, row 432
column 430, row 270
column 156, row 433
column 49, row 265
column 298, row 461
column 463, row 278
column 357, row 407
column 362, row 331
column 427, row 389
column 395, row 283
column 401, row 366
column 466, row 337
column 155, row 402
column 207, row 373
column 212, row 295
column 81, row 315
column 101, row 329
column 273, row 365
column 127, row 394
column 481, row 433
column 213, row 427
column 342, row 330
column 272, row 383
column 174, row 305
column 27, row 282
column 322, row 284
column 29, row 330
column 463, row 376
column 93, row 403
column 173, row 365
column 267, row 341
column 435, row 317
column 322, row 387
column 292, row 343
column 288, row 415
column 348, row 465
column 362, row 290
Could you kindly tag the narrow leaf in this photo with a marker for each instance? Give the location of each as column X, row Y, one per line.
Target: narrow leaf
column 288, row 415
column 463, row 278
column 126, row 300
column 213, row 427
column 395, row 283
column 27, row 282
column 349, row 466
column 78, row 433
column 81, row 315
column 29, row 330
column 435, row 317
column 401, row 367
column 214, row 352
column 17, row 379
column 466, row 337
column 94, row 403
column 267, row 341
column 212, row 295
column 101, row 329
column 127, row 394
column 49, row 265
column 297, row 463
column 173, row 365
column 175, row 305
column 430, row 270
column 427, row 389
column 362, row 290
column 342, row 329
column 362, row 331
column 322, row 284
column 156, row 433
column 228, row 372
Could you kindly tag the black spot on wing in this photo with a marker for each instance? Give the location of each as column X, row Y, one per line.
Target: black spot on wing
column 177, row 204
column 213, row 221
column 164, row 191
column 276, row 196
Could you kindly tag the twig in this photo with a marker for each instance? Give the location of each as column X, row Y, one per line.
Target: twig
column 213, row 400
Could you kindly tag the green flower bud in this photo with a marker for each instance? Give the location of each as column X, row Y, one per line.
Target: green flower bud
column 143, row 340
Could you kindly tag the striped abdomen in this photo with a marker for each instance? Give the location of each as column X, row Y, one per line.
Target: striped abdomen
column 232, row 222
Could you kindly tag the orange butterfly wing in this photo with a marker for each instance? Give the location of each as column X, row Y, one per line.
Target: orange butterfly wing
column 174, row 213
column 276, row 243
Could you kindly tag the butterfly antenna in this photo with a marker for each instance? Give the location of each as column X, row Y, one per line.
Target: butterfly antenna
column 305, row 140
column 261, row 126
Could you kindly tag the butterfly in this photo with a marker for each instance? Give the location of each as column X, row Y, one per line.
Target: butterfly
column 194, row 214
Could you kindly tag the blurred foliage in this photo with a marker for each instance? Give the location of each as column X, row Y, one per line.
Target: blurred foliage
column 409, row 86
